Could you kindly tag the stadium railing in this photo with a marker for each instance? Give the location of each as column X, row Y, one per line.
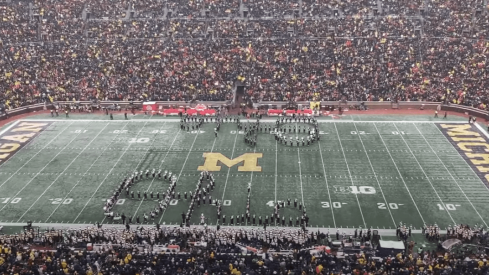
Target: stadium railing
column 414, row 105
column 22, row 110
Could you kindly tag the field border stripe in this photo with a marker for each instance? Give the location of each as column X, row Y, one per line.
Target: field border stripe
column 451, row 175
column 481, row 129
column 320, row 120
column 9, row 127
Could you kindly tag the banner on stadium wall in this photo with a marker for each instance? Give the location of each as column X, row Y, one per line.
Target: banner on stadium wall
column 274, row 112
column 200, row 107
column 174, row 112
column 314, row 104
column 150, row 106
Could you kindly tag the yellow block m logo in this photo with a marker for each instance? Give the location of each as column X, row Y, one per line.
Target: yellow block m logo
column 250, row 162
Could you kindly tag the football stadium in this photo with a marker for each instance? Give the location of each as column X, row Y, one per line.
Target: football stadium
column 244, row 137
column 366, row 173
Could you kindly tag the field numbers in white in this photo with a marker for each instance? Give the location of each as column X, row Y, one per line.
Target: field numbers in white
column 447, row 206
column 326, row 204
column 138, row 140
column 61, row 201
column 158, row 132
column 80, row 131
column 391, row 205
column 119, row 131
column 10, row 200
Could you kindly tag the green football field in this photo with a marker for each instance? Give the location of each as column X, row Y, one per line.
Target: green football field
column 361, row 173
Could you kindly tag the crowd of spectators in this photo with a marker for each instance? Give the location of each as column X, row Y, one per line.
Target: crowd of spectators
column 206, row 250
column 282, row 50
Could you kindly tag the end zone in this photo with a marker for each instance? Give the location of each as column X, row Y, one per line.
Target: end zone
column 472, row 143
column 17, row 135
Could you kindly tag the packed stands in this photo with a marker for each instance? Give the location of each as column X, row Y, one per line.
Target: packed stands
column 171, row 50
column 228, row 250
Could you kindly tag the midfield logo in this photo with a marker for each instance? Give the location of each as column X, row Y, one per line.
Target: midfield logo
column 213, row 161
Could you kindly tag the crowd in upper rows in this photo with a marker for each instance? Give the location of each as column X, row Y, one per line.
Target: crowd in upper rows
column 203, row 250
column 410, row 50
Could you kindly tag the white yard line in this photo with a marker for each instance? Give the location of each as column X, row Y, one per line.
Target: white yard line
column 80, row 178
column 327, row 184
column 453, row 178
column 33, row 156
column 300, row 177
column 424, row 173
column 110, row 171
column 376, row 178
column 263, row 120
column 183, row 166
column 399, row 172
column 478, row 127
column 25, row 145
column 66, row 168
column 349, row 173
column 149, row 147
column 276, row 171
column 159, row 167
column 27, row 184
column 141, row 161
column 300, row 169
column 251, row 181
column 229, row 170
column 213, row 144
column 9, row 127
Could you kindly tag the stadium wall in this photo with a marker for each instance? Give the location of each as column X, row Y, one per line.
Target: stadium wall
column 22, row 110
column 415, row 105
